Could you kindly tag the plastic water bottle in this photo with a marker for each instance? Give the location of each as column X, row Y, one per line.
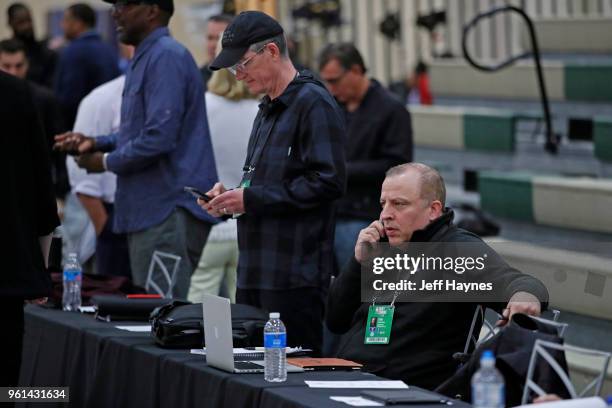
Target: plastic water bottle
column 71, row 298
column 488, row 384
column 275, row 343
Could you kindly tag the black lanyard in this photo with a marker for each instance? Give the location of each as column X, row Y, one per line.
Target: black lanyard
column 258, row 148
column 255, row 155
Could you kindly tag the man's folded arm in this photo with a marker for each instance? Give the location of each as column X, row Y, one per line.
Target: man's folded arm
column 509, row 281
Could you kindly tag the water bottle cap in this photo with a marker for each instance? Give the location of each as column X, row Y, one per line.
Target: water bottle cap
column 487, row 355
column 274, row 315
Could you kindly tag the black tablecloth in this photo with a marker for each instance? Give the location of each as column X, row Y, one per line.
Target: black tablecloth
column 108, row 367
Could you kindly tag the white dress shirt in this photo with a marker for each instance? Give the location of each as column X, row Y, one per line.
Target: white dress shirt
column 99, row 114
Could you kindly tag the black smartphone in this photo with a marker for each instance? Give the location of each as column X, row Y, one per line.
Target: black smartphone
column 385, row 238
column 197, row 193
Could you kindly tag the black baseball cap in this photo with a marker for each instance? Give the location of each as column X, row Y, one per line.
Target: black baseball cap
column 166, row 5
column 245, row 30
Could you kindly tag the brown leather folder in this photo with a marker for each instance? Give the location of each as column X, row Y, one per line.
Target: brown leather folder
column 324, row 364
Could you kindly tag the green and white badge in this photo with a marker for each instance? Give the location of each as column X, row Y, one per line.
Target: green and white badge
column 245, row 183
column 378, row 325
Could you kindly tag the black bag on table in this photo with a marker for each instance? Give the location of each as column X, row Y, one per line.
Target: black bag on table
column 180, row 325
column 512, row 347
column 113, row 308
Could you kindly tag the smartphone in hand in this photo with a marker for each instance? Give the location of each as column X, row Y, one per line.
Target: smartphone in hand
column 384, row 238
column 197, row 193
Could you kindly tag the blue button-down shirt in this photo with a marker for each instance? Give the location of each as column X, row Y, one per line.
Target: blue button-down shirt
column 163, row 143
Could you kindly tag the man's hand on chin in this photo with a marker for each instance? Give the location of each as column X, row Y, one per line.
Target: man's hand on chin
column 520, row 302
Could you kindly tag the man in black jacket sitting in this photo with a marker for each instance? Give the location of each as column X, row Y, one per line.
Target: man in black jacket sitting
column 423, row 334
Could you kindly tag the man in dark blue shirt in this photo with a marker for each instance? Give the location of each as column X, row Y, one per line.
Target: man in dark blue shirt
column 293, row 172
column 86, row 63
column 163, row 145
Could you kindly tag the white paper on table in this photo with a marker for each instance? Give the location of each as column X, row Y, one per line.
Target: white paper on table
column 137, row 329
column 591, row 402
column 357, row 401
column 383, row 384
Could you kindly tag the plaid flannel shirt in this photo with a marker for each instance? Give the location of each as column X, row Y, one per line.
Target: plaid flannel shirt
column 286, row 234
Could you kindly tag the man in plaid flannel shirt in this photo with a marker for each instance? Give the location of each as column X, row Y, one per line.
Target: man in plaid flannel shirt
column 294, row 170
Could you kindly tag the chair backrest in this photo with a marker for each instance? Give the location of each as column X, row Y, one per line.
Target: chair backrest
column 541, row 349
column 559, row 327
column 487, row 331
column 472, row 341
column 162, row 280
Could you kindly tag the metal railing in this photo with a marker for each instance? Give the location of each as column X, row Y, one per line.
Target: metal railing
column 552, row 141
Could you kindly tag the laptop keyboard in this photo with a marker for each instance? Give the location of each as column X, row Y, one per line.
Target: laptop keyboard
column 247, row 365
column 249, row 357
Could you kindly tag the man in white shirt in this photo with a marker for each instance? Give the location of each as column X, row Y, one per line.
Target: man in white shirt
column 99, row 114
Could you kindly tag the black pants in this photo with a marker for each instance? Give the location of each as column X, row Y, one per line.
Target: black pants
column 10, row 354
column 112, row 256
column 301, row 310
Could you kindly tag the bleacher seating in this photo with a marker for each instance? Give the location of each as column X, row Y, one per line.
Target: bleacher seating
column 483, row 129
column 567, row 202
column 574, row 80
column 573, row 35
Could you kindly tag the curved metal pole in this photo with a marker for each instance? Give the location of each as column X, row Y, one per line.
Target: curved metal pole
column 552, row 142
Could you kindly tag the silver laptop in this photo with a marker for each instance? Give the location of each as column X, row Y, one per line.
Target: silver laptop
column 218, row 335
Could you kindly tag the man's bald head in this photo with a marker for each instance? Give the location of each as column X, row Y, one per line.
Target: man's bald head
column 431, row 182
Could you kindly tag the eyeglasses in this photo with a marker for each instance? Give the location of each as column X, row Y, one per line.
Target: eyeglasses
column 242, row 66
column 334, row 81
column 122, row 4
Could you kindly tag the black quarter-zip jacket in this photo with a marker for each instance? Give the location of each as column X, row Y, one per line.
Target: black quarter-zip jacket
column 424, row 335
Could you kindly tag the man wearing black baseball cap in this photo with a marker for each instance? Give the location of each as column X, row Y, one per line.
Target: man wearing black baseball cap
column 293, row 172
column 248, row 28
column 162, row 145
